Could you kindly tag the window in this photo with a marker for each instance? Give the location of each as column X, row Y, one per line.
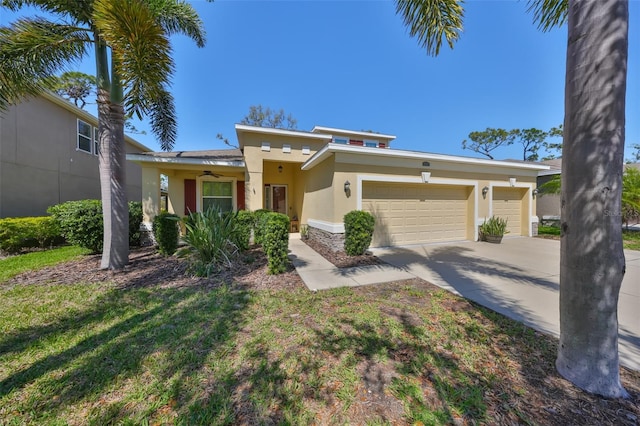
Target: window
column 371, row 143
column 355, row 142
column 340, row 140
column 96, row 148
column 217, row 195
column 84, row 136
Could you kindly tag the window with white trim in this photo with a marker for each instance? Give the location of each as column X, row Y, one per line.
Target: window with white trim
column 96, row 148
column 371, row 143
column 217, row 194
column 340, row 140
column 85, row 136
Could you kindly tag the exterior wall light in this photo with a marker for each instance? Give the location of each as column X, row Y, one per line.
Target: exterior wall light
column 535, row 192
column 280, row 168
column 484, row 191
column 347, row 187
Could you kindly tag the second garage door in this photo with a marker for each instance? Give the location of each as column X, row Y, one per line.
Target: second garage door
column 507, row 204
column 416, row 213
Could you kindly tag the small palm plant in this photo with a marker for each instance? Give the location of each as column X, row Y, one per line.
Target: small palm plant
column 211, row 240
column 493, row 229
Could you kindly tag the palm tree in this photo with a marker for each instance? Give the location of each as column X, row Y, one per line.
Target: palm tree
column 592, row 261
column 130, row 41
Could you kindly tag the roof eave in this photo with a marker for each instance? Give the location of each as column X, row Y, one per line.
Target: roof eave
column 395, row 153
column 142, row 158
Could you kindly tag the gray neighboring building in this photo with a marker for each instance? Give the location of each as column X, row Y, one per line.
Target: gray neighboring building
column 548, row 205
column 48, row 155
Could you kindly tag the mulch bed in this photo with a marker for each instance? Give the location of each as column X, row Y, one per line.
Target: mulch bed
column 342, row 259
column 148, row 268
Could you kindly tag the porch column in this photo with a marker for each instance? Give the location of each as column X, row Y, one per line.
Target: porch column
column 254, row 190
column 150, row 194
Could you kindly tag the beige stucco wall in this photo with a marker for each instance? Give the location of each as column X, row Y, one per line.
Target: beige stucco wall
column 176, row 176
column 39, row 163
column 261, row 167
column 347, row 167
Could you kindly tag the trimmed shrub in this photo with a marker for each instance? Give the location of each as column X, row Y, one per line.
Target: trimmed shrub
column 80, row 223
column 244, row 221
column 260, row 217
column 27, row 232
column 358, row 232
column 135, row 220
column 210, row 241
column 166, row 232
column 275, row 241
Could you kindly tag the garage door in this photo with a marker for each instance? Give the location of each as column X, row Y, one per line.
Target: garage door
column 507, row 204
column 416, row 213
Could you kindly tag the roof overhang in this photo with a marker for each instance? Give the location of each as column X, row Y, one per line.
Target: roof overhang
column 333, row 148
column 243, row 128
column 148, row 159
column 332, row 130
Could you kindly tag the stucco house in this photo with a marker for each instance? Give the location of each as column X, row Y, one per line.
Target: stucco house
column 316, row 177
column 48, row 155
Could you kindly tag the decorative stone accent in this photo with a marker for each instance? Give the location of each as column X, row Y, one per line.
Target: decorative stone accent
column 146, row 236
column 534, row 229
column 334, row 242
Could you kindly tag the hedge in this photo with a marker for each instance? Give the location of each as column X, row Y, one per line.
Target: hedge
column 166, row 231
column 20, row 233
column 358, row 232
column 275, row 241
column 81, row 223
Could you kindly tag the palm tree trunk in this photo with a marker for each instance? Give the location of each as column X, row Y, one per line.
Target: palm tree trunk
column 112, row 163
column 592, row 262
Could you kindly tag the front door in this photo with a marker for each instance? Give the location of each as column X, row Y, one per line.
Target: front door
column 276, row 198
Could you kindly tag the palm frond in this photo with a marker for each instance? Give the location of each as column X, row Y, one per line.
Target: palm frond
column 431, row 21
column 548, row 13
column 179, row 17
column 140, row 49
column 32, row 51
column 78, row 10
column 163, row 119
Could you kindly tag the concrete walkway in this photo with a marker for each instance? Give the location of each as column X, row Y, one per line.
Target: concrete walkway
column 519, row 278
column 320, row 274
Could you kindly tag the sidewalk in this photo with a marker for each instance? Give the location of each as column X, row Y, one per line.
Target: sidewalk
column 320, row 274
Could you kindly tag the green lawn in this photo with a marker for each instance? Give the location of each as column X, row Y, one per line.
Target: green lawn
column 630, row 239
column 95, row 353
column 14, row 265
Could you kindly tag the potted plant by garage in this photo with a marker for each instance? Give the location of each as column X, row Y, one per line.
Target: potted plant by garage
column 493, row 229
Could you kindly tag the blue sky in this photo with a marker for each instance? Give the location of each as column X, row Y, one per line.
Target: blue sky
column 352, row 64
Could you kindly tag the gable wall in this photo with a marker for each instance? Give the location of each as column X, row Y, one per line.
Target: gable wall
column 39, row 163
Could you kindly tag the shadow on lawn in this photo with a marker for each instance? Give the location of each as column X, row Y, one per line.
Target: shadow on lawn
column 163, row 333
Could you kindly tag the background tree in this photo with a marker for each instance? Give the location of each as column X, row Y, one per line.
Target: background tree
column 487, row 141
column 553, row 148
column 75, row 86
column 264, row 117
column 130, row 40
column 78, row 87
column 267, row 117
column 531, row 140
column 635, row 156
column 592, row 261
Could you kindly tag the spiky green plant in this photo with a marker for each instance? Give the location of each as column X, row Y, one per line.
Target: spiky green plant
column 211, row 240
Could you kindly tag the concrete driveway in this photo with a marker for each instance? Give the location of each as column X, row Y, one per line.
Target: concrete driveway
column 518, row 278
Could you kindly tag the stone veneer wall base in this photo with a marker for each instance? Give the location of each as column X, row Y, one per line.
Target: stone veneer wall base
column 334, row 242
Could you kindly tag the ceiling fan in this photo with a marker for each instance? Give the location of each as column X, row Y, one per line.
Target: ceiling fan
column 209, row 173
